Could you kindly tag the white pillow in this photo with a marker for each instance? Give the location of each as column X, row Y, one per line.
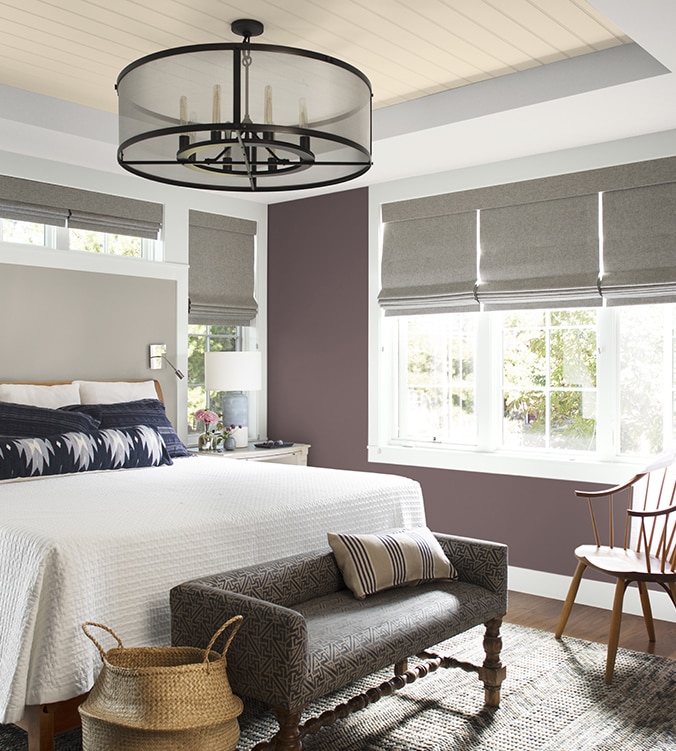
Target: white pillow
column 113, row 392
column 52, row 397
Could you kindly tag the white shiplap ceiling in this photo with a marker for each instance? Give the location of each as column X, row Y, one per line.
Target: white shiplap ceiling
column 74, row 49
column 457, row 83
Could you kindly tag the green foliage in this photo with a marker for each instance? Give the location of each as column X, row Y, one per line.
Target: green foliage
column 99, row 242
column 550, row 378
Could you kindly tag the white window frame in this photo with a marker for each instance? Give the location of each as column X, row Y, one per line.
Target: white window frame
column 603, row 465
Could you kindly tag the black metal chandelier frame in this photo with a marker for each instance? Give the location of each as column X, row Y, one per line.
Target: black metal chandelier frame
column 242, row 149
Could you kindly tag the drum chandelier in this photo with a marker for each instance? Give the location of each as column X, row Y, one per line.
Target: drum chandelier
column 244, row 117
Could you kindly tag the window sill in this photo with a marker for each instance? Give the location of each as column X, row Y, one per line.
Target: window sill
column 578, row 469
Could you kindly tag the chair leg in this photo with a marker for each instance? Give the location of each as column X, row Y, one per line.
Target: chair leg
column 647, row 611
column 570, row 598
column 614, row 633
column 492, row 672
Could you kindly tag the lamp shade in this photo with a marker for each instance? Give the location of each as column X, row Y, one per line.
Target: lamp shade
column 232, row 371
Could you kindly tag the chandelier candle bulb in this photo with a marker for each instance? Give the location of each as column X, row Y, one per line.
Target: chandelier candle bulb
column 216, row 108
column 183, row 139
column 216, row 111
column 302, row 112
column 268, row 105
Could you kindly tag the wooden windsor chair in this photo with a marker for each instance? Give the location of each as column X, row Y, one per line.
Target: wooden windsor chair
column 645, row 553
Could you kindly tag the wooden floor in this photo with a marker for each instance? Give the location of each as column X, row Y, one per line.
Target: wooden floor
column 591, row 624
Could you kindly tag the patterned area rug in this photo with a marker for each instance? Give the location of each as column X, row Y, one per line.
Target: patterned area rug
column 554, row 699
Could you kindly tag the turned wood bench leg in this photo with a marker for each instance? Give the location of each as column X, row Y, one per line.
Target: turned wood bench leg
column 289, row 736
column 401, row 667
column 492, row 672
column 291, row 732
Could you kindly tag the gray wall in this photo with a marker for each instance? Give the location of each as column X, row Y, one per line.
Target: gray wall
column 318, row 370
column 59, row 324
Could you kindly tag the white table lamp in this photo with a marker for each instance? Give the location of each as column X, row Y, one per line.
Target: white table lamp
column 234, row 373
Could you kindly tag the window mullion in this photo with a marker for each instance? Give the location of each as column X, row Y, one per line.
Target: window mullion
column 398, row 361
column 488, row 381
column 607, row 385
column 548, row 380
column 667, row 376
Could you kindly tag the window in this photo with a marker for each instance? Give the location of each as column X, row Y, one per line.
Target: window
column 437, row 373
column 646, row 378
column 102, row 242
column 15, row 231
column 65, row 218
column 592, row 385
column 61, row 238
column 201, row 339
column 568, row 365
column 549, row 380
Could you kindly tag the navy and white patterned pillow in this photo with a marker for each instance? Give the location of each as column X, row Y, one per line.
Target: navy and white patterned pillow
column 27, row 421
column 141, row 412
column 113, row 448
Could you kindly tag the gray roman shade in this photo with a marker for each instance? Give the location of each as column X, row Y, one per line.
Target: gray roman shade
column 639, row 245
column 540, row 255
column 221, row 277
column 33, row 201
column 428, row 263
column 539, row 243
column 28, row 212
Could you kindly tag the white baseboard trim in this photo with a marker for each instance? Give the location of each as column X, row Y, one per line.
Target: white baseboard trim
column 595, row 593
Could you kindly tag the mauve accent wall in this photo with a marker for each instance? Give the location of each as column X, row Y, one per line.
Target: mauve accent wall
column 318, row 377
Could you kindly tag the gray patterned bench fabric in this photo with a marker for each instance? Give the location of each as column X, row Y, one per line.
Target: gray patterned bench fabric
column 305, row 635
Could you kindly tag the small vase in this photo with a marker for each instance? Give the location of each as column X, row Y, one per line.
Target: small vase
column 229, row 443
column 207, row 442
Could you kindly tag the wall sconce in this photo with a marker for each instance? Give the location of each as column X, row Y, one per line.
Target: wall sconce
column 157, row 358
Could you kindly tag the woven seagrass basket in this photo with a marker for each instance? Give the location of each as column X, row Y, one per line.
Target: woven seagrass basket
column 161, row 698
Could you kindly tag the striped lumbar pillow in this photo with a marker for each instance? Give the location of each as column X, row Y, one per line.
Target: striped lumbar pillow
column 373, row 562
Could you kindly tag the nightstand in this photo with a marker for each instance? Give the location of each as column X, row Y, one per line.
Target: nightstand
column 295, row 454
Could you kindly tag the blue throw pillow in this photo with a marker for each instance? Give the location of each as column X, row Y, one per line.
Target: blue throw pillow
column 26, row 421
column 114, row 448
column 141, row 412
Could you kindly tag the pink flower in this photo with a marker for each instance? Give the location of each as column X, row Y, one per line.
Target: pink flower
column 206, row 416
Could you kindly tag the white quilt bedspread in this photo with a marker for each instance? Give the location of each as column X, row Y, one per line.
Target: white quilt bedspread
column 108, row 546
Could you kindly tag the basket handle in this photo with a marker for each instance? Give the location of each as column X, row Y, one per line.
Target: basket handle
column 105, row 628
column 237, row 619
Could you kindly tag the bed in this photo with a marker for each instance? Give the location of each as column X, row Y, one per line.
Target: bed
column 107, row 545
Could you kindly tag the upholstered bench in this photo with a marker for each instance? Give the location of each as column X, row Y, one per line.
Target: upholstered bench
column 305, row 634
